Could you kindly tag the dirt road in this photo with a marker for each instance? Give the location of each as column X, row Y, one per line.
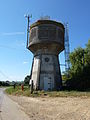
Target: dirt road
column 59, row 108
column 10, row 110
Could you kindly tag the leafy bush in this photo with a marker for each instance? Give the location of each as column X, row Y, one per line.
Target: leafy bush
column 80, row 69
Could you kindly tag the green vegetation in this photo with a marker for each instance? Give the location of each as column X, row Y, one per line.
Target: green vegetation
column 18, row 91
column 26, row 92
column 26, row 80
column 9, row 83
column 3, row 83
column 79, row 73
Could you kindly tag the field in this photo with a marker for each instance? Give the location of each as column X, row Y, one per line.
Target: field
column 55, row 105
column 26, row 92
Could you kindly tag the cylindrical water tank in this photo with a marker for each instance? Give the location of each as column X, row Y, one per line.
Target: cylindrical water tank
column 46, row 34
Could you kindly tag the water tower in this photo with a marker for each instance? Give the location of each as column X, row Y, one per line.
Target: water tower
column 46, row 41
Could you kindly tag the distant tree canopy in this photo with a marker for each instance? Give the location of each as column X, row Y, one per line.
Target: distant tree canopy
column 27, row 79
column 3, row 83
column 80, row 68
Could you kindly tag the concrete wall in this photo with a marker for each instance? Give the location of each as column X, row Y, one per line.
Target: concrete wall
column 36, row 71
column 46, row 41
column 46, row 72
column 44, row 35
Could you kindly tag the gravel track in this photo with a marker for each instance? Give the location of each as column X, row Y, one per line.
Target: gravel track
column 59, row 108
column 9, row 109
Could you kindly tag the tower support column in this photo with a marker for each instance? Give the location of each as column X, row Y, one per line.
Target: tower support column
column 46, row 72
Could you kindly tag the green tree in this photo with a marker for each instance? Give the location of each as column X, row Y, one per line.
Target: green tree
column 27, row 79
column 76, row 59
column 87, row 53
column 80, row 68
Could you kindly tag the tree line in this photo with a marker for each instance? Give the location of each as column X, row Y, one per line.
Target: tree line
column 79, row 73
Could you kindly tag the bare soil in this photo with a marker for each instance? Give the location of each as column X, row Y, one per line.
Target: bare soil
column 58, row 108
column 9, row 109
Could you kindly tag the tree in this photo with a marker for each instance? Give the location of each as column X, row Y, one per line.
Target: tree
column 80, row 68
column 27, row 79
column 0, row 83
column 87, row 55
column 76, row 59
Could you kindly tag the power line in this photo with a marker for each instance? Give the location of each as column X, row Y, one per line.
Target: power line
column 7, row 47
column 3, row 74
column 11, row 48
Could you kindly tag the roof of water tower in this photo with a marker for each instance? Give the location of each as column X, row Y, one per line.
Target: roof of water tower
column 46, row 22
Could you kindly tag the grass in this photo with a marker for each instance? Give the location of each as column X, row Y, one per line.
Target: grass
column 18, row 91
column 26, row 92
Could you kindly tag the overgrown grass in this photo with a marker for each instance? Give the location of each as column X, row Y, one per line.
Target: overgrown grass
column 18, row 91
column 26, row 92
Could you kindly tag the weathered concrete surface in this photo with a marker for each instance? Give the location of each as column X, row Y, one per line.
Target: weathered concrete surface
column 46, row 72
column 10, row 110
column 46, row 41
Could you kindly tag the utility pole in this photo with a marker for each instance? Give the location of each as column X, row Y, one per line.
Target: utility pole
column 28, row 28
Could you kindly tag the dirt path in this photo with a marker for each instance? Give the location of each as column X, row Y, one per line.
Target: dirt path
column 60, row 108
column 10, row 110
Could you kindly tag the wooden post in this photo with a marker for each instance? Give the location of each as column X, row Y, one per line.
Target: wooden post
column 31, row 86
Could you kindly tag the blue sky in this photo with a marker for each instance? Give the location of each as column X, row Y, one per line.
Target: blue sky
column 15, row 59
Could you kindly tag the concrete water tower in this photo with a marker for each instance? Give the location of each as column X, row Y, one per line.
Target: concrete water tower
column 46, row 41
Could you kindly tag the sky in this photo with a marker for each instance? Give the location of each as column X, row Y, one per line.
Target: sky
column 15, row 59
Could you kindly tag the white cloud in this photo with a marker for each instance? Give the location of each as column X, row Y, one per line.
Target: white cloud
column 13, row 33
column 25, row 62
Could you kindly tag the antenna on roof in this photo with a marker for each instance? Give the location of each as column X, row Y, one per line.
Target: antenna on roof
column 45, row 17
column 28, row 27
